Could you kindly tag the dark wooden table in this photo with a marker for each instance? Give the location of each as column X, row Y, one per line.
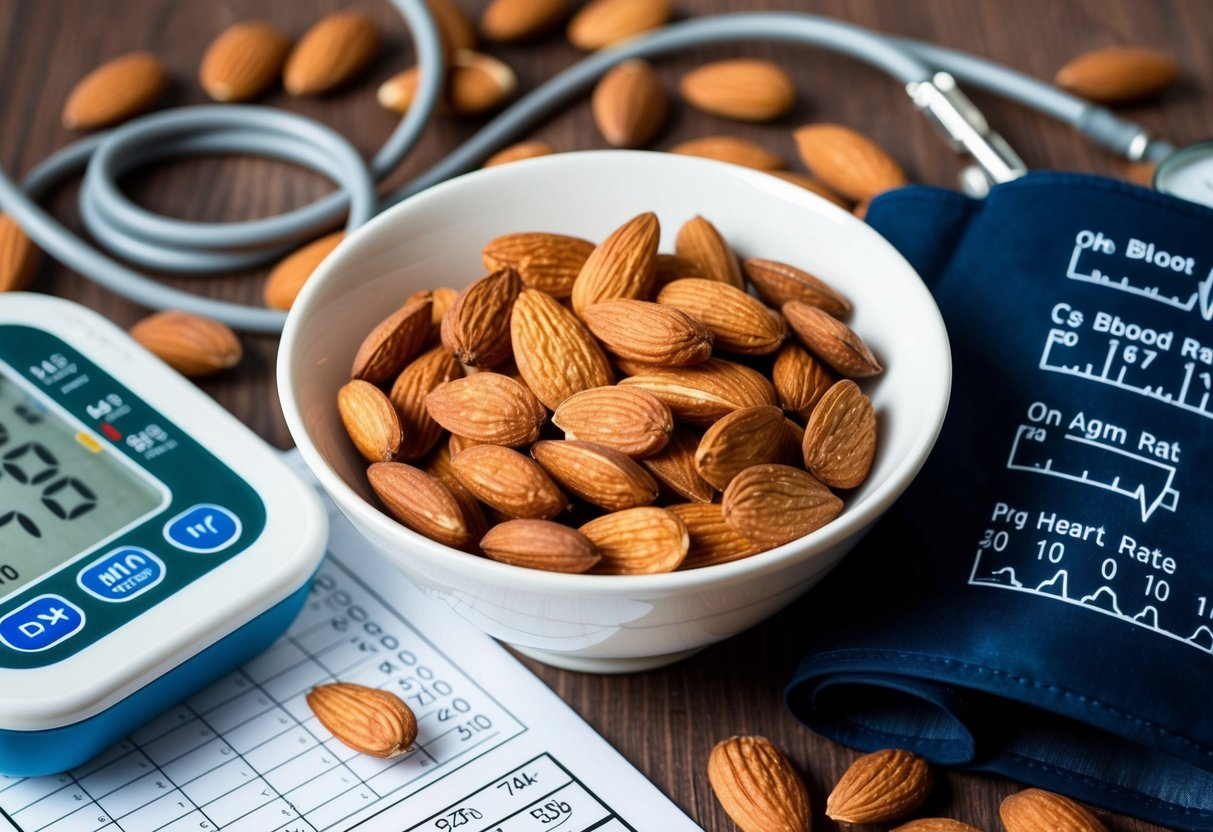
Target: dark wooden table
column 665, row 721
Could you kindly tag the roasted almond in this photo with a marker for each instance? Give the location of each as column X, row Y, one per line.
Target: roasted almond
column 511, row 20
column 800, row 380
column 547, row 262
column 935, row 825
column 191, row 344
column 631, row 421
column 508, row 481
column 700, row 242
column 810, row 184
column 600, row 23
column 779, row 283
column 629, row 105
column 621, row 266
column 595, row 473
column 476, row 329
column 746, row 437
column 774, row 504
column 333, row 51
column 368, row 720
column 713, row 541
column 118, row 89
column 731, row 149
column 831, row 340
column 286, row 280
column 847, row 161
column 518, row 152
column 488, row 408
column 454, row 26
column 244, row 61
column 426, row 372
column 746, row 89
column 638, row 541
column 739, row 322
column 1118, row 74
column 1032, row 810
column 674, row 466
column 671, row 267
column 881, row 787
column 18, row 256
column 556, row 354
column 441, row 300
column 439, row 465
column 370, row 420
column 758, row 787
column 649, row 332
column 840, row 438
column 394, row 341
column 705, row 392
column 477, row 83
column 397, row 92
column 420, row 501
column 540, row 544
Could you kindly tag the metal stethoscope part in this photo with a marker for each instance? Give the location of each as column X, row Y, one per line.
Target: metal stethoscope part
column 176, row 246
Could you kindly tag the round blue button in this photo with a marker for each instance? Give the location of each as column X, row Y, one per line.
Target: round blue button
column 203, row 528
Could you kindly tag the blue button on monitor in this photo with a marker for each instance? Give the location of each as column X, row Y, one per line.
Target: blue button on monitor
column 122, row 574
column 204, row 528
column 40, row 624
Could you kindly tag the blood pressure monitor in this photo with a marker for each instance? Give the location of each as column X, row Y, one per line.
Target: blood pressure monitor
column 149, row 542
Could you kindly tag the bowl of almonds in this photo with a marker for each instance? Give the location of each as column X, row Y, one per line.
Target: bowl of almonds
column 614, row 406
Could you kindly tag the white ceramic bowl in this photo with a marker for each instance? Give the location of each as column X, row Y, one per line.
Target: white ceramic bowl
column 602, row 622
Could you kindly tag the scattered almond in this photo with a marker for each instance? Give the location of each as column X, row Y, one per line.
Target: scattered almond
column 739, row 322
column 333, row 51
column 674, row 466
column 595, row 473
column 881, row 787
column 508, row 481
column 393, row 342
column 244, row 61
column 1032, row 810
column 629, row 105
column 547, row 262
column 746, row 89
column 556, row 354
column 811, row 184
column 1118, row 74
column 192, row 345
column 397, row 92
column 429, row 370
column 774, row 504
column 705, row 392
column 18, row 256
column 638, row 541
column 629, row 420
column 454, row 27
column 699, row 242
column 713, row 540
column 935, row 825
column 621, row 266
column 649, row 332
column 540, row 544
column 118, row 89
column 831, row 340
column 489, row 408
column 840, row 438
column 779, row 283
column 368, row 720
column 476, row 329
column 477, row 83
column 287, row 279
column 746, row 437
column 731, row 149
column 847, row 161
column 800, row 380
column 518, row 152
column 420, row 501
column 370, row 420
column 758, row 787
column 512, row 20
column 601, row 23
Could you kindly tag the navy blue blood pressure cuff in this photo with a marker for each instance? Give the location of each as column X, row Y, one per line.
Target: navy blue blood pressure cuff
column 1040, row 601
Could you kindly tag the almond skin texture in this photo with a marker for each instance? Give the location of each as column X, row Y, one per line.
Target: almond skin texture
column 595, row 473
column 416, row 381
column 512, row 20
column 518, row 152
column 848, row 162
column 244, row 61
column 621, row 266
column 779, row 283
column 758, row 787
column 831, row 340
column 18, row 256
column 674, row 465
column 935, row 825
column 556, row 354
column 192, row 345
column 800, row 380
column 476, row 329
column 394, row 341
column 629, row 420
column 508, row 481
column 731, row 149
column 368, row 720
column 600, row 23
column 746, row 89
column 1118, row 74
column 118, row 89
column 840, row 438
column 713, row 541
column 745, row 437
column 335, row 50
column 540, row 544
column 370, row 420
column 739, row 322
column 705, row 392
column 638, row 541
column 419, row 501
column 774, row 504
column 286, row 280
column 881, row 787
column 649, row 332
column 629, row 105
column 1032, row 810
column 547, row 262
column 487, row 408
column 700, row 242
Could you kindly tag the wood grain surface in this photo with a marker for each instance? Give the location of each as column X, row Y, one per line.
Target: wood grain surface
column 666, row 721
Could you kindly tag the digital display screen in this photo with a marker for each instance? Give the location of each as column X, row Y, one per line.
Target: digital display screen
column 61, row 491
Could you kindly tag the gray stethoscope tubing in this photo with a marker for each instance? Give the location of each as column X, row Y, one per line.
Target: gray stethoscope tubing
column 170, row 245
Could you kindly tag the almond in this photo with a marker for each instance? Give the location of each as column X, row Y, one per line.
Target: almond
column 601, row 23
column 705, row 392
column 779, row 283
column 713, row 540
column 831, row 340
column 18, row 256
column 118, row 89
column 286, row 280
column 700, row 242
column 629, row 105
column 774, row 504
column 333, row 51
column 629, row 420
column 935, row 825
column 368, row 720
column 595, row 473
column 847, row 161
column 441, row 300
column 540, row 544
column 746, row 89
column 745, row 437
column 881, row 787
column 370, row 420
column 397, row 93
column 670, row 267
column 556, row 354
column 192, row 345
column 394, row 341
column 674, row 465
column 488, row 408
column 638, row 541
column 621, row 266
column 731, row 149
column 477, row 83
column 840, row 438
column 243, row 61
column 739, row 322
column 458, row 444
column 511, row 20
column 476, row 329
column 800, row 380
column 810, row 184
column 547, row 262
column 518, row 152
column 416, row 381
column 419, row 501
column 1118, row 74
column 439, row 465
column 508, row 481
column 454, row 27
column 1034, row 809
column 758, row 787
column 649, row 332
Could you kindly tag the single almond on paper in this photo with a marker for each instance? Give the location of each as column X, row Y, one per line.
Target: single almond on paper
column 847, row 161
column 370, row 420
column 700, row 242
column 630, row 420
column 1032, row 810
column 880, row 787
column 629, row 104
column 713, row 540
column 547, row 262
column 810, row 184
column 333, row 51
column 800, row 380
column 394, row 341
column 513, row 20
column 477, row 83
column 674, row 466
column 420, row 501
column 416, row 381
column 244, row 61
column 287, row 279
column 601, row 23
column 731, row 149
column 556, row 355
column 1118, row 74
column 739, row 322
column 488, row 408
column 638, row 541
column 649, row 332
column 935, row 825
column 840, row 438
column 621, row 266
column 758, row 787
column 368, row 720
column 540, row 544
column 746, row 437
column 831, row 340
column 779, row 283
column 191, row 344
column 508, row 481
column 705, row 392
column 118, row 89
column 476, row 329
column 18, row 256
column 746, row 89
column 774, row 504
column 517, row 152
column 595, row 473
